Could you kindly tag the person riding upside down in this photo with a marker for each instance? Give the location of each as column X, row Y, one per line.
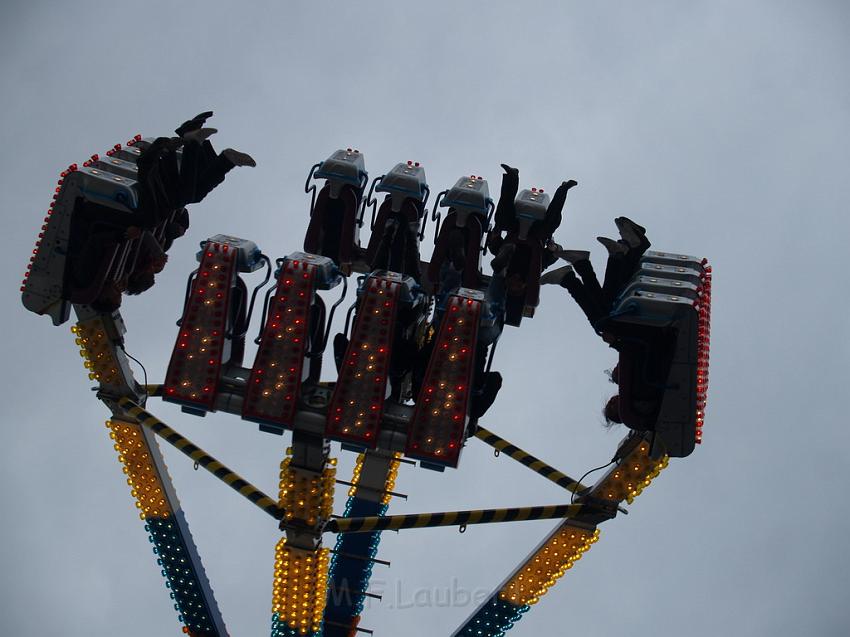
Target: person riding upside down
column 645, row 352
column 527, row 220
column 165, row 186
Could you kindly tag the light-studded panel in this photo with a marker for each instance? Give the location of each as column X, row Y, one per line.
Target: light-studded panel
column 300, row 588
column 196, row 360
column 442, row 408
column 547, row 565
column 631, row 476
column 96, row 349
column 357, row 403
column 272, row 393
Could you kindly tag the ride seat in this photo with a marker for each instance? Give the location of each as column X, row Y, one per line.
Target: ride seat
column 634, row 391
column 333, row 232
column 473, row 231
column 408, row 213
column 109, row 268
column 527, row 262
column 664, row 327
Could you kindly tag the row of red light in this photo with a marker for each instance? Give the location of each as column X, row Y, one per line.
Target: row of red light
column 358, row 400
column 196, row 360
column 117, row 147
column 72, row 168
column 443, row 404
column 276, row 376
column 703, row 307
column 540, row 190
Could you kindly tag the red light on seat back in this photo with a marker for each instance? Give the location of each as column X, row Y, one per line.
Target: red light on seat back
column 442, row 407
column 275, row 381
column 195, row 365
column 357, row 403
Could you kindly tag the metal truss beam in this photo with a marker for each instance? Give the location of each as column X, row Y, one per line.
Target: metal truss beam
column 538, row 466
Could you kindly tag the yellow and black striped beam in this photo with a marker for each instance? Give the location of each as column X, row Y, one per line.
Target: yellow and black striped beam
column 451, row 518
column 538, row 466
column 233, row 480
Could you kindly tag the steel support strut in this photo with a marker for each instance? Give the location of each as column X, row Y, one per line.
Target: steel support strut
column 538, row 466
column 452, row 518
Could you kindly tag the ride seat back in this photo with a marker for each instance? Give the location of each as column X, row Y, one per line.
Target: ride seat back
column 408, row 213
column 357, row 403
column 113, row 254
column 473, row 231
column 48, row 287
column 531, row 207
column 660, row 307
column 641, row 379
column 202, row 343
column 526, row 263
column 438, row 428
column 278, row 370
column 403, row 182
column 333, row 230
column 469, row 195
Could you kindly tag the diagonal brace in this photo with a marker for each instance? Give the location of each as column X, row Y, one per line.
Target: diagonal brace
column 232, row 479
column 452, row 518
column 538, row 466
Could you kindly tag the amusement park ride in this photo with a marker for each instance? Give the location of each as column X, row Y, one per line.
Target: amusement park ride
column 413, row 361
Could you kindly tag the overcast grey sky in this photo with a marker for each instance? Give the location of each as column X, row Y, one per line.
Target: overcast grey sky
column 723, row 127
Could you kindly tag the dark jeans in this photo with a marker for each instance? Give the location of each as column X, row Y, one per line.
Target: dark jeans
column 201, row 170
column 586, row 292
